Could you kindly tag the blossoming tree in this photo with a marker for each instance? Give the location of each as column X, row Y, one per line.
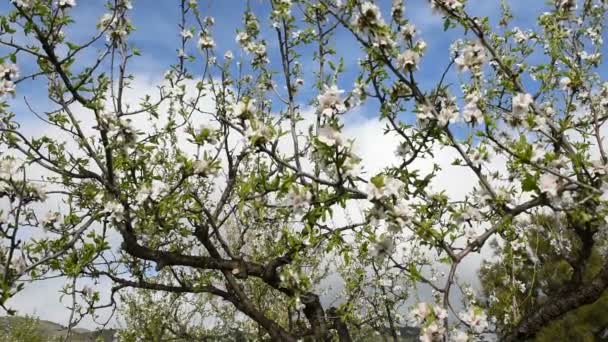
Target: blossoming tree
column 233, row 198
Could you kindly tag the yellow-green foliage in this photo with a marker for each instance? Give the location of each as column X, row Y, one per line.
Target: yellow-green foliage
column 22, row 330
column 582, row 325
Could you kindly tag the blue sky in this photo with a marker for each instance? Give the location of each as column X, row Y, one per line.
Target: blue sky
column 157, row 37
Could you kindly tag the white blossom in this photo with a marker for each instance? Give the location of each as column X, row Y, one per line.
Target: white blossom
column 205, row 41
column 565, row 83
column 368, row 16
column 476, row 157
column 298, row 199
column 408, row 30
column 186, row 34
column 243, row 108
column 451, row 4
column 242, row 38
column 8, row 73
column 447, row 114
column 403, row 209
column 259, row 133
column 541, row 123
column 402, row 150
column 420, row 312
column 114, row 210
column 330, row 101
column 424, row 112
column 421, row 45
column 8, row 167
column 549, row 184
column 440, row 313
column 330, row 136
column 19, row 264
column 50, row 218
column 566, row 5
column 259, row 49
column 158, row 188
column 6, row 87
column 202, row 167
column 434, row 332
column 472, row 57
column 37, row 192
column 23, row 3
column 475, row 318
column 471, row 213
column 519, row 285
column 66, row 3
column 389, row 187
column 471, row 112
column 521, row 103
column 87, row 291
column 408, row 60
column 519, row 35
column 384, row 246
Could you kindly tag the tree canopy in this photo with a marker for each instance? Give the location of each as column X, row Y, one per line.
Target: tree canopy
column 230, row 200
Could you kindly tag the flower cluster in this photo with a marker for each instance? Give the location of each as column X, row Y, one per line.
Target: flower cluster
column 408, row 60
column 282, row 8
column 8, row 74
column 520, row 36
column 471, row 112
column 153, row 191
column 247, row 39
column 330, row 102
column 204, row 167
column 440, row 6
column 204, row 134
column 448, row 111
column 566, row 5
column 384, row 246
column 430, row 319
column 521, row 104
column 259, row 133
column 330, row 136
column 383, row 186
column 471, row 57
column 66, row 3
column 368, row 20
column 113, row 209
column 298, row 199
column 24, row 3
column 368, row 17
column 50, row 218
column 475, row 318
column 36, row 192
column 19, row 264
column 549, row 184
column 116, row 24
column 8, row 167
column 121, row 130
column 205, row 41
column 243, row 109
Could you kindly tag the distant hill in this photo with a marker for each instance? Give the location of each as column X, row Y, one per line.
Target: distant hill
column 48, row 331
